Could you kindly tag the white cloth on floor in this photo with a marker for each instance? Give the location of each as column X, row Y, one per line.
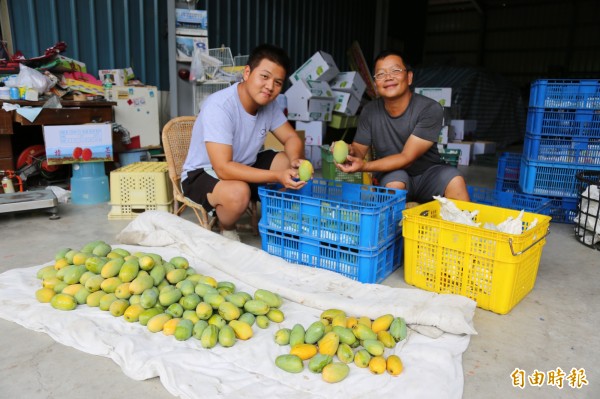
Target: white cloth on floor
column 432, row 366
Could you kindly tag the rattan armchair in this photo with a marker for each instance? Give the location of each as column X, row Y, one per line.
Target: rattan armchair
column 176, row 137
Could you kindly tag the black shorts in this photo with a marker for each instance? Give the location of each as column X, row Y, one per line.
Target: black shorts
column 423, row 187
column 200, row 182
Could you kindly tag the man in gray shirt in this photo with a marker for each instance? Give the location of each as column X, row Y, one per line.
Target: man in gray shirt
column 402, row 128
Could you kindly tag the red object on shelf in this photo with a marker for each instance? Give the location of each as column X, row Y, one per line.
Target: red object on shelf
column 135, row 143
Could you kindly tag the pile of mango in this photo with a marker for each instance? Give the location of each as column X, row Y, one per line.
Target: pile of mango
column 162, row 295
column 349, row 339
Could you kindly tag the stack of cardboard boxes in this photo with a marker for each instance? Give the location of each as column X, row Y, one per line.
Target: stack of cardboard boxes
column 318, row 90
column 456, row 133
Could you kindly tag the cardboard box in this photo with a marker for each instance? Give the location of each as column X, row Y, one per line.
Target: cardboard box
column 191, row 22
column 185, row 45
column 313, row 154
column 271, row 142
column 310, row 100
column 483, row 147
column 444, row 134
column 345, row 103
column 320, row 66
column 314, row 131
column 463, row 128
column 466, row 148
column 91, row 142
column 443, row 95
column 66, row 64
column 339, row 121
column 350, row 82
column 120, row 76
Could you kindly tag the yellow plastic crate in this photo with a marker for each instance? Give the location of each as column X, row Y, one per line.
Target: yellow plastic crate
column 140, row 187
column 495, row 269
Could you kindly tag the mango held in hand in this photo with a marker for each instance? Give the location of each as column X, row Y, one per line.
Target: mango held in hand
column 340, row 151
column 306, row 170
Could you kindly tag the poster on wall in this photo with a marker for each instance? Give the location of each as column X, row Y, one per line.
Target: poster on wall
column 185, row 45
column 91, row 142
column 191, row 22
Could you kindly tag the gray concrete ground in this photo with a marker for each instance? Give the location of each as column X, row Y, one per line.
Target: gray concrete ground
column 555, row 326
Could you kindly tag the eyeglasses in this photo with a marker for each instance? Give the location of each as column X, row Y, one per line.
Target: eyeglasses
column 394, row 73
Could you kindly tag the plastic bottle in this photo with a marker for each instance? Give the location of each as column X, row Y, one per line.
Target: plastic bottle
column 107, row 84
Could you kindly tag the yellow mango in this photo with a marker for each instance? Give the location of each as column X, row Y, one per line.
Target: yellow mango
column 335, row 372
column 170, row 325
column 306, row 170
column 304, row 351
column 377, row 365
column 156, row 323
column 132, row 313
column 382, row 323
column 328, row 345
column 63, row 302
column 44, row 294
column 340, row 151
column 394, row 365
column 242, row 330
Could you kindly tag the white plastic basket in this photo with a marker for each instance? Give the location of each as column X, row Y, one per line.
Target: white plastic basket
column 204, row 89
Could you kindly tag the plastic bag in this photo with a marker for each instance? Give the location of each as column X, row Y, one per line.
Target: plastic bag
column 197, row 73
column 450, row 212
column 32, row 79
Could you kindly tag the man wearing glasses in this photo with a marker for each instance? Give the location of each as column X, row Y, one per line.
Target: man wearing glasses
column 402, row 127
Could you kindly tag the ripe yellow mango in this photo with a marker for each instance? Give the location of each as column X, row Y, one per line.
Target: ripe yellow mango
column 304, row 351
column 156, row 323
column 382, row 323
column 63, row 302
column 44, row 294
column 306, row 170
column 377, row 365
column 394, row 365
column 242, row 330
column 340, row 151
column 335, row 372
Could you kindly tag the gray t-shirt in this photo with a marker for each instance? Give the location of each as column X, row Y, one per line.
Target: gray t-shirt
column 387, row 135
column 224, row 120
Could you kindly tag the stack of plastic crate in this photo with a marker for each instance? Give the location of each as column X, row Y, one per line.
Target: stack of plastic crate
column 351, row 229
column 562, row 139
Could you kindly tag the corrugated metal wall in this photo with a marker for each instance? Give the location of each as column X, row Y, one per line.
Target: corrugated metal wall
column 300, row 26
column 101, row 33
column 520, row 40
column 123, row 33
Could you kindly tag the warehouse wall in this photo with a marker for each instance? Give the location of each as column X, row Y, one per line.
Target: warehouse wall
column 521, row 40
column 101, row 33
column 122, row 33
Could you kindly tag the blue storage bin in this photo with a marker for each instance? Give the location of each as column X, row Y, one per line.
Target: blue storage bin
column 341, row 213
column 551, row 179
column 563, row 122
column 129, row 157
column 580, row 150
column 366, row 266
column 507, row 174
column 575, row 93
column 510, row 200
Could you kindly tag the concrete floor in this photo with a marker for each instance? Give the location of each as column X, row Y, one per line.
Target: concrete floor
column 553, row 327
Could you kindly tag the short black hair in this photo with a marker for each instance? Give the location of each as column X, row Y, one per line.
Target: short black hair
column 272, row 53
column 387, row 53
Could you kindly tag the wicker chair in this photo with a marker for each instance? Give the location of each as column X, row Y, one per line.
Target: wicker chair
column 176, row 136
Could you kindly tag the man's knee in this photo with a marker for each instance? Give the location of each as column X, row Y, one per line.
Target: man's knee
column 398, row 185
column 457, row 189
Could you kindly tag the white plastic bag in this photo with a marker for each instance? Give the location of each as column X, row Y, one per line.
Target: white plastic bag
column 197, row 73
column 450, row 212
column 32, row 79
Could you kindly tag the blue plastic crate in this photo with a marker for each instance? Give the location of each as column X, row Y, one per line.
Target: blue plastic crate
column 507, row 175
column 341, row 213
column 575, row 93
column 511, row 200
column 563, row 122
column 580, row 150
column 361, row 265
column 551, row 179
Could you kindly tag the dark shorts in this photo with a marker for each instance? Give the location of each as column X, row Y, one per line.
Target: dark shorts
column 422, row 188
column 199, row 182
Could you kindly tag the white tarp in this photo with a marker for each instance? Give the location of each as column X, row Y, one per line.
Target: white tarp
column 432, row 357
